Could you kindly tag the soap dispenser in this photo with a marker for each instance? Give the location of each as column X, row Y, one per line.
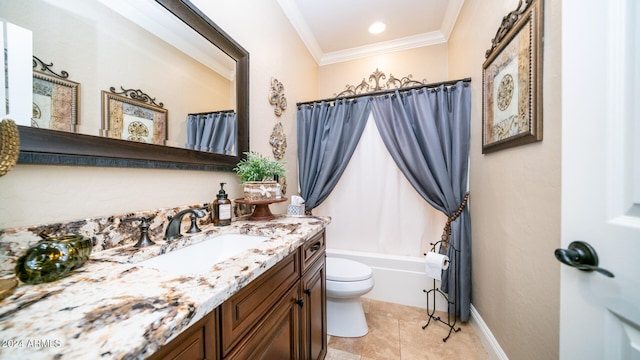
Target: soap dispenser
column 221, row 208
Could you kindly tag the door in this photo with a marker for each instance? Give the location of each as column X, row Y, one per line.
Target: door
column 600, row 316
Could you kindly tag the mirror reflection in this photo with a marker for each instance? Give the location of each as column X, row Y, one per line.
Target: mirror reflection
column 190, row 84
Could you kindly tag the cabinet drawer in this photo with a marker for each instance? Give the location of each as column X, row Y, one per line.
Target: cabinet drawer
column 244, row 309
column 312, row 249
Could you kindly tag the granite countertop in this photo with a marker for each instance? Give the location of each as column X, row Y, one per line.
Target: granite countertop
column 112, row 309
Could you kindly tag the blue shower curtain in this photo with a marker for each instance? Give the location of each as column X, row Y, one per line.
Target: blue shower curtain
column 427, row 133
column 214, row 132
column 327, row 137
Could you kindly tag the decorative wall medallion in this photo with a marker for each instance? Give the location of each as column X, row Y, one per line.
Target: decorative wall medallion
column 375, row 84
column 505, row 92
column 138, row 131
column 276, row 97
column 278, row 141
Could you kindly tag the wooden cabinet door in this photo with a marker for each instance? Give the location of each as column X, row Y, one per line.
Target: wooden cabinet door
column 200, row 341
column 243, row 311
column 314, row 312
column 277, row 336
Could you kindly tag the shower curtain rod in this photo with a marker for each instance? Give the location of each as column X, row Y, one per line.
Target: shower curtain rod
column 382, row 92
column 211, row 112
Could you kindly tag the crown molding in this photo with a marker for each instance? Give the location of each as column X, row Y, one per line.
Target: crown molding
column 410, row 42
column 292, row 11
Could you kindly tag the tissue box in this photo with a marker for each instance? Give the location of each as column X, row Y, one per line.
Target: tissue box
column 295, row 210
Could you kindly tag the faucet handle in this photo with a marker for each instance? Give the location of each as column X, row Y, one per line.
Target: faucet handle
column 197, row 213
column 173, row 228
column 144, row 231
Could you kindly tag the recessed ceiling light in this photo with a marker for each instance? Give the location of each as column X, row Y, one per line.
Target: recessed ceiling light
column 377, row 27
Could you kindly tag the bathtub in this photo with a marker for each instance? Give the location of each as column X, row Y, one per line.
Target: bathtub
column 398, row 279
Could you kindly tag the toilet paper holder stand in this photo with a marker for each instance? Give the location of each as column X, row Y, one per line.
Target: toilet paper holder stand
column 454, row 289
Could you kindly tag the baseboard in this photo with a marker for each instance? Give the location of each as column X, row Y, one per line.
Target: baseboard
column 486, row 337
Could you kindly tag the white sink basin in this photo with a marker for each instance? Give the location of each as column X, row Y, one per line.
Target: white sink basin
column 201, row 257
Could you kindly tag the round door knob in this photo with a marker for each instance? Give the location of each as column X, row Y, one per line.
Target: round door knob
column 582, row 256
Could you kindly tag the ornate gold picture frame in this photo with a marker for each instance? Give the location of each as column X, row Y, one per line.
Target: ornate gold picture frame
column 55, row 102
column 512, row 80
column 134, row 118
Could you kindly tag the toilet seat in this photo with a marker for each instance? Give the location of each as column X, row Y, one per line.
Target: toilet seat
column 339, row 269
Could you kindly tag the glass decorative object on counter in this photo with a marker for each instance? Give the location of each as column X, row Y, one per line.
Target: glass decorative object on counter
column 53, row 258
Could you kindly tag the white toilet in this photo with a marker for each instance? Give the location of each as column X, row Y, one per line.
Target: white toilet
column 347, row 280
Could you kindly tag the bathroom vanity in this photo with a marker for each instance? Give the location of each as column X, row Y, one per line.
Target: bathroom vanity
column 266, row 302
column 280, row 315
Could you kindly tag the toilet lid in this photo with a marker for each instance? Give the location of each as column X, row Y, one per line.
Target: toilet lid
column 339, row 269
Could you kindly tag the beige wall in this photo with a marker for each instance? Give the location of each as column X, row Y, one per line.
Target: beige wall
column 36, row 194
column 515, row 198
column 275, row 51
column 428, row 63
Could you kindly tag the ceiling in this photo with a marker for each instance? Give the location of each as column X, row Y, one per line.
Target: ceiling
column 337, row 30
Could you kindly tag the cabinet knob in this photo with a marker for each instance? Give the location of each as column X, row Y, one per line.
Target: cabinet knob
column 307, row 291
column 300, row 302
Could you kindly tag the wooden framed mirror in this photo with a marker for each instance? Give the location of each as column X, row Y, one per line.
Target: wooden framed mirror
column 44, row 146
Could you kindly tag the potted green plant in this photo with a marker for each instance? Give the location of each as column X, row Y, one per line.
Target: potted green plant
column 259, row 176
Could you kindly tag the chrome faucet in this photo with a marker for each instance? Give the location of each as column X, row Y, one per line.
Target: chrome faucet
column 173, row 229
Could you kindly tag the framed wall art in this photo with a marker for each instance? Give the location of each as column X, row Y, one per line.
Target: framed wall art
column 133, row 115
column 512, row 80
column 55, row 99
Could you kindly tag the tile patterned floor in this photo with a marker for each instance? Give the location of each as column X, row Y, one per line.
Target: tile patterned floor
column 395, row 333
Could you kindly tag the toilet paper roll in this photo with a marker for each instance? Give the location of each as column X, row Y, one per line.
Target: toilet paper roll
column 435, row 263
